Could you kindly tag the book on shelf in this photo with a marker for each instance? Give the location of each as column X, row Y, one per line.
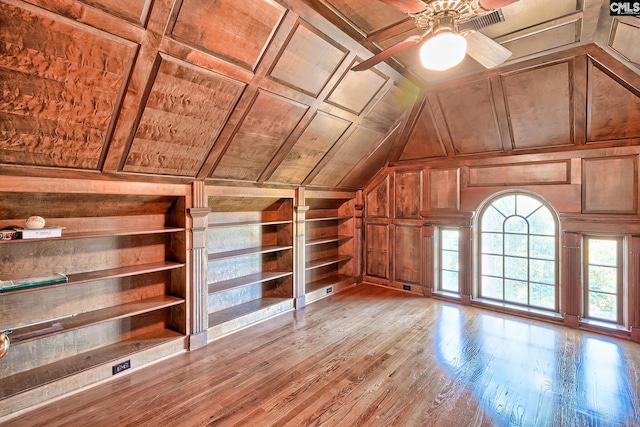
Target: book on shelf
column 39, row 233
column 9, row 285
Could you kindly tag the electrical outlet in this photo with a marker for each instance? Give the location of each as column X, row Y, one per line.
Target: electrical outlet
column 329, row 290
column 116, row 369
column 406, row 287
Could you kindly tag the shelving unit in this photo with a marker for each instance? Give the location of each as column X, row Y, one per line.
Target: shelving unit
column 329, row 230
column 123, row 250
column 250, row 268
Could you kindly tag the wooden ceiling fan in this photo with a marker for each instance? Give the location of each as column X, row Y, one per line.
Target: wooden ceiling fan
column 449, row 32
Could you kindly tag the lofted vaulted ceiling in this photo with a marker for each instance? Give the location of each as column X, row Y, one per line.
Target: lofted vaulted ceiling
column 261, row 92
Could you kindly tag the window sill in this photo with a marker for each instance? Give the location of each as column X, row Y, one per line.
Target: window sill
column 602, row 327
column 535, row 313
column 451, row 296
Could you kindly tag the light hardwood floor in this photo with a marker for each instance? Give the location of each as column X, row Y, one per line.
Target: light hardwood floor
column 373, row 356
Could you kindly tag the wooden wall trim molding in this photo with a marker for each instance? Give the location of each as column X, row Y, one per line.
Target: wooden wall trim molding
column 571, row 284
column 460, row 219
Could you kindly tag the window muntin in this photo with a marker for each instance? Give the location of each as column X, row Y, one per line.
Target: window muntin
column 603, row 291
column 518, row 245
column 449, row 261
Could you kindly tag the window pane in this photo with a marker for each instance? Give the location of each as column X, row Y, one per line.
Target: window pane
column 515, row 245
column 525, row 205
column 516, row 291
column 541, row 222
column 450, row 239
column 492, row 220
column 516, row 224
column 542, row 247
column 492, row 243
column 449, row 281
column 515, row 268
column 492, row 265
column 506, row 205
column 603, row 306
column 603, row 252
column 491, row 287
column 450, row 260
column 603, row 279
column 543, row 296
column 543, row 271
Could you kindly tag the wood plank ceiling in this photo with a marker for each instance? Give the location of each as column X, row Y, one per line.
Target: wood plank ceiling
column 261, row 92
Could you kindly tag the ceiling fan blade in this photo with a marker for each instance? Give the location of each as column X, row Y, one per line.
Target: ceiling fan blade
column 494, row 4
column 406, row 6
column 486, row 51
column 388, row 53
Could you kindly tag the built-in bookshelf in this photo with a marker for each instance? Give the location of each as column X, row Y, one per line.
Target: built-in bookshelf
column 124, row 302
column 250, row 253
column 329, row 245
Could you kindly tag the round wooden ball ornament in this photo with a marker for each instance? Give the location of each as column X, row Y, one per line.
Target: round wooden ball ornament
column 34, row 222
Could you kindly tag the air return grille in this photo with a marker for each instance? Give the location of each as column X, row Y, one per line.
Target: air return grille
column 483, row 21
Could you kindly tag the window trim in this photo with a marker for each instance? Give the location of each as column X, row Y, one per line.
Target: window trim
column 620, row 288
column 478, row 252
column 438, row 263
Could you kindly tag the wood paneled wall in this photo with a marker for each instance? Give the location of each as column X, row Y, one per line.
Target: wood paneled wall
column 593, row 191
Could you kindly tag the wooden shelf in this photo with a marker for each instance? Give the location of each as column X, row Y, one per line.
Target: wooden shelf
column 240, row 310
column 92, row 276
column 248, row 251
column 247, row 280
column 51, row 372
column 326, row 282
column 249, row 223
column 83, row 320
column 321, row 262
column 328, row 239
column 94, row 234
column 328, row 218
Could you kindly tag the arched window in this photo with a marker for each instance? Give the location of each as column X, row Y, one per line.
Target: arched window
column 518, row 252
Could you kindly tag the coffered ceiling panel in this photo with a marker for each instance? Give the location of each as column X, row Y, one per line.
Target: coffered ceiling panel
column 134, row 11
column 356, row 90
column 614, row 111
column 391, row 106
column 424, row 141
column 470, row 118
column 317, row 139
column 61, row 86
column 186, row 110
column 268, row 123
column 539, row 99
column 552, row 38
column 359, row 145
column 624, row 38
column 308, row 61
column 360, row 175
column 236, row 30
column 367, row 15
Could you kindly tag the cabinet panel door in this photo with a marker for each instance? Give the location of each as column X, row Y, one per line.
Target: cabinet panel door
column 407, row 254
column 377, row 241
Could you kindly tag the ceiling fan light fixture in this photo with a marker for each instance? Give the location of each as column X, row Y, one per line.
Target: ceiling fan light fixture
column 443, row 51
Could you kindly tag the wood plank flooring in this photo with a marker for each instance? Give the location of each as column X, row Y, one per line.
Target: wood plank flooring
column 373, row 356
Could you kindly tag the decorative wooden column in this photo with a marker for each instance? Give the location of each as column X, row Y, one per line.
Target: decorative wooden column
column 198, row 262
column 299, row 253
column 634, row 288
column 465, row 263
column 571, row 278
column 358, row 237
column 428, row 235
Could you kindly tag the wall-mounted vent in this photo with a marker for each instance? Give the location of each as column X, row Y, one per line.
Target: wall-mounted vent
column 483, row 21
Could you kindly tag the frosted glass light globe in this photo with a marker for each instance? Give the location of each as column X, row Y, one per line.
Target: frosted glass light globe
column 443, row 51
